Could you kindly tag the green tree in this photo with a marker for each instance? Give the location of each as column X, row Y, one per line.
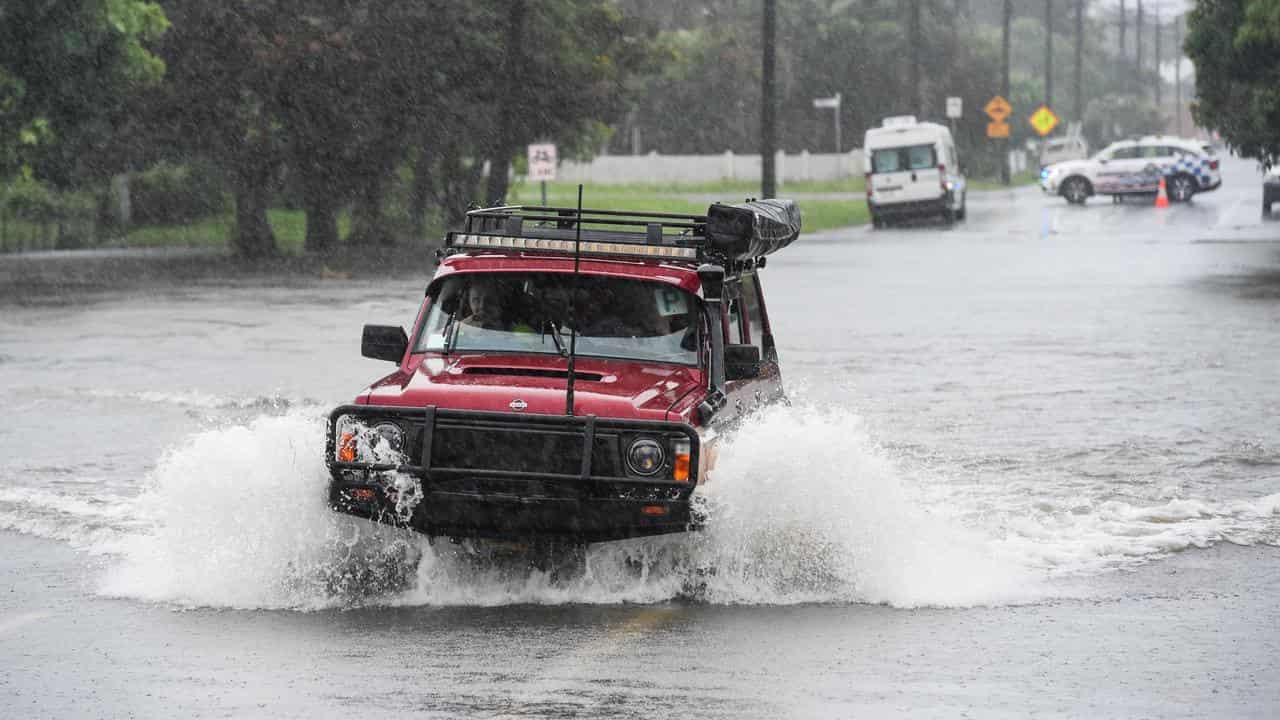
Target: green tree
column 218, row 102
column 1235, row 45
column 67, row 69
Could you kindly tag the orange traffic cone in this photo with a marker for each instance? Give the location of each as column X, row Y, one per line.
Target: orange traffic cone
column 1162, row 198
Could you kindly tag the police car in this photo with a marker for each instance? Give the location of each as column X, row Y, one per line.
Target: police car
column 1133, row 167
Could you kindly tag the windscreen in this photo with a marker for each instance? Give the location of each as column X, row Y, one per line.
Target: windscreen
column 531, row 313
column 911, row 157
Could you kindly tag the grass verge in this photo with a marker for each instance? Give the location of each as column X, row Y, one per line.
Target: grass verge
column 817, row 214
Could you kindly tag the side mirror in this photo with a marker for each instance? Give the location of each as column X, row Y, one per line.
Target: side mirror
column 384, row 342
column 741, row 362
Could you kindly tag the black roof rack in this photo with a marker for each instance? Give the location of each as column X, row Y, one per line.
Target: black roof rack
column 735, row 236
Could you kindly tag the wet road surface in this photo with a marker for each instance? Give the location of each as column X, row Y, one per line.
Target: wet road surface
column 1031, row 469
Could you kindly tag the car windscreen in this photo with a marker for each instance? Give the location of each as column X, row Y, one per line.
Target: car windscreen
column 532, row 313
column 911, row 157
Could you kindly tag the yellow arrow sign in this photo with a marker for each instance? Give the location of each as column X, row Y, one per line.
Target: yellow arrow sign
column 998, row 129
column 998, row 109
column 1043, row 120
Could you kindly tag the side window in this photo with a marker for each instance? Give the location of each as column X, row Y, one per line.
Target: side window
column 736, row 334
column 753, row 315
column 1126, row 153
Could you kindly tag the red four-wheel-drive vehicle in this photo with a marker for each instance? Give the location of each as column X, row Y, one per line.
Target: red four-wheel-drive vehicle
column 568, row 375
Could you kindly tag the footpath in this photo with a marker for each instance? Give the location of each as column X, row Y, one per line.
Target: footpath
column 61, row 275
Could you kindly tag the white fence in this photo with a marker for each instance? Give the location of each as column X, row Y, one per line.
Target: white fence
column 655, row 168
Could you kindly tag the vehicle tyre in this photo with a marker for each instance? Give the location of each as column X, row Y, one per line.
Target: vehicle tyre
column 964, row 207
column 948, row 216
column 1076, row 190
column 1266, row 207
column 877, row 222
column 1181, row 187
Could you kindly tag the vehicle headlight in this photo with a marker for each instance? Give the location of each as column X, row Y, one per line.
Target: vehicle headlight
column 645, row 457
column 392, row 433
column 357, row 442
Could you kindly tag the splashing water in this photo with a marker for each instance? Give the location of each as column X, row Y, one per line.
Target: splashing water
column 238, row 517
column 803, row 508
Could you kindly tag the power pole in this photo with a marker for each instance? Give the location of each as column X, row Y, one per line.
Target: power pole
column 917, row 103
column 1048, row 53
column 1004, row 84
column 1177, row 70
column 1137, row 33
column 1124, row 21
column 1159, row 77
column 768, row 123
column 1079, row 68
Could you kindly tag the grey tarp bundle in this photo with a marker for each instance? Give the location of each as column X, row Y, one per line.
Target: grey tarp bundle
column 752, row 229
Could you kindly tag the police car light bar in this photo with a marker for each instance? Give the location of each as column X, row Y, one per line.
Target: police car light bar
column 589, row 247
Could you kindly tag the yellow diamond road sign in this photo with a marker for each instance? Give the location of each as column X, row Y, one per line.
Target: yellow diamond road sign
column 1043, row 120
column 998, row 109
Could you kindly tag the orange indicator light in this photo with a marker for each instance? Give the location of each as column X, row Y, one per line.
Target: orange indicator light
column 347, row 447
column 681, row 470
column 653, row 510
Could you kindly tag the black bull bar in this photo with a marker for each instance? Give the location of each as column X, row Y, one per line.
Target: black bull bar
column 516, row 477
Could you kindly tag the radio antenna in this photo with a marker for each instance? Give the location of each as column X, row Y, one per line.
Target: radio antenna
column 573, row 306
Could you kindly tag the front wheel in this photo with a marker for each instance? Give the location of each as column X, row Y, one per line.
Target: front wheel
column 964, row 206
column 1076, row 190
column 1181, row 188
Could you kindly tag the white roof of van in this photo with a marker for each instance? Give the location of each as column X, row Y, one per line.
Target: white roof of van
column 919, row 129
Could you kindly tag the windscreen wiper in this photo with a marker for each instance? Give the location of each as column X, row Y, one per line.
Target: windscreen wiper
column 555, row 336
column 450, row 332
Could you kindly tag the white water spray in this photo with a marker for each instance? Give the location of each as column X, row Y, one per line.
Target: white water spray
column 804, row 508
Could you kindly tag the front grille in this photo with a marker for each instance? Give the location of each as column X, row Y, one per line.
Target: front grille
column 456, row 444
column 519, row 449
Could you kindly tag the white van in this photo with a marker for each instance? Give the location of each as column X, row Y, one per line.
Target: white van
column 912, row 170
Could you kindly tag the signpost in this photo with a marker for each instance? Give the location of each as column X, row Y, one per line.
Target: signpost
column 833, row 103
column 542, row 165
column 955, row 109
column 1043, row 120
column 999, row 110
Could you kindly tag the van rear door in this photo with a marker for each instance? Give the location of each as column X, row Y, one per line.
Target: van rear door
column 905, row 173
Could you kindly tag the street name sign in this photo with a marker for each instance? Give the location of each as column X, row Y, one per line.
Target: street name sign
column 832, row 102
column 955, row 107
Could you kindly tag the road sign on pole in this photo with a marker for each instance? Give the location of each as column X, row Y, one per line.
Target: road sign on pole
column 1043, row 120
column 955, row 108
column 998, row 109
column 542, row 165
column 832, row 103
column 542, row 161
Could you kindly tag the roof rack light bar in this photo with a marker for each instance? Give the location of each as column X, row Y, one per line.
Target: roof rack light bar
column 589, row 247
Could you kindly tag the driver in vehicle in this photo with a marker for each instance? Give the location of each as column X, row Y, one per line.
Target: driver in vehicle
column 484, row 306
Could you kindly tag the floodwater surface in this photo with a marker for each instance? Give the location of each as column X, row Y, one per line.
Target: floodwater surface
column 1031, row 466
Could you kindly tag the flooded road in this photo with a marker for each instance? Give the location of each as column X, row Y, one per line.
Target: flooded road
column 1031, row 467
